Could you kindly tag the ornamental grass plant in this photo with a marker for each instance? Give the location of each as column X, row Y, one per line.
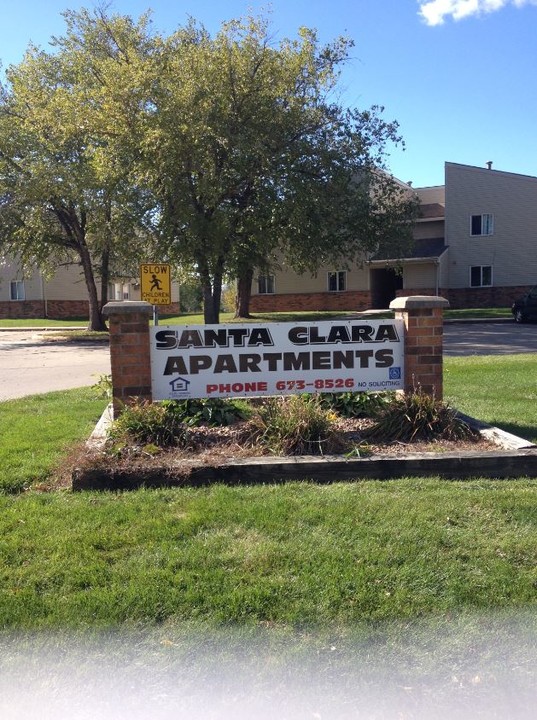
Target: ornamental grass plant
column 418, row 417
column 147, row 423
column 297, row 425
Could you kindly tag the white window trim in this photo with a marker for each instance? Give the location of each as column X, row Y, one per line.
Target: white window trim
column 337, row 273
column 273, row 283
column 18, row 284
column 481, row 269
column 482, row 215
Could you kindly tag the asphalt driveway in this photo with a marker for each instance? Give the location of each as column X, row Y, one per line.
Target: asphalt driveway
column 31, row 365
column 489, row 338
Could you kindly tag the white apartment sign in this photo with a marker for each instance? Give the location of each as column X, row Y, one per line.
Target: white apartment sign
column 198, row 361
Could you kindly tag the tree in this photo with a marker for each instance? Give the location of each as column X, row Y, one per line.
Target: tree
column 249, row 159
column 64, row 190
column 228, row 150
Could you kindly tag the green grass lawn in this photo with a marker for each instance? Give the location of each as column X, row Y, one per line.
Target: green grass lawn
column 497, row 389
column 42, row 322
column 197, row 318
column 38, row 430
column 296, row 556
column 317, row 559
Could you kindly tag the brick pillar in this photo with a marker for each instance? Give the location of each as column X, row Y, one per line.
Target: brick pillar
column 424, row 329
column 129, row 351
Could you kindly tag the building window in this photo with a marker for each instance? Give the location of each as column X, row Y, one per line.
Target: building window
column 481, row 276
column 265, row 285
column 337, row 281
column 121, row 291
column 482, row 224
column 16, row 291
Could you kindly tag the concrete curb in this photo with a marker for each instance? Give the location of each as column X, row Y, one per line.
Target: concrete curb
column 515, row 457
column 43, row 328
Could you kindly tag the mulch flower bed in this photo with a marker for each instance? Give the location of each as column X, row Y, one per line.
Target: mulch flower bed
column 215, row 446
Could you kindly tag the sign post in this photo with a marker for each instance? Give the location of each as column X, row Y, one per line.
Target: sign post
column 156, row 286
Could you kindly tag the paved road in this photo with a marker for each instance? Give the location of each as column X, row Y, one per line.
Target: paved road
column 489, row 338
column 29, row 365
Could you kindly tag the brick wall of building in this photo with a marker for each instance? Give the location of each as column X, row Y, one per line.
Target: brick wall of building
column 57, row 309
column 351, row 300
column 13, row 309
column 484, row 297
column 462, row 298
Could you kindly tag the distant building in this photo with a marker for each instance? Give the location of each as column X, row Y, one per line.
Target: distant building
column 62, row 296
column 475, row 244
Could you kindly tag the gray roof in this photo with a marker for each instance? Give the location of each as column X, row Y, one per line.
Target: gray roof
column 429, row 249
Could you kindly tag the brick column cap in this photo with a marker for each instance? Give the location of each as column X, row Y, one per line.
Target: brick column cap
column 418, row 302
column 127, row 307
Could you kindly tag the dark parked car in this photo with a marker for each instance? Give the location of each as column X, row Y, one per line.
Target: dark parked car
column 525, row 308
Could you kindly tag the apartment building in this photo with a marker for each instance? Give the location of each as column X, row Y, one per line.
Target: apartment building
column 475, row 244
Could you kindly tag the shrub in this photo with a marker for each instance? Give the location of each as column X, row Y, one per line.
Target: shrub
column 415, row 417
column 211, row 411
column 296, row 425
column 356, row 404
column 103, row 387
column 149, row 424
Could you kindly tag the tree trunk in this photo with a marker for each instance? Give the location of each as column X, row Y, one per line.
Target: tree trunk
column 210, row 317
column 211, row 314
column 244, row 293
column 105, row 275
column 96, row 321
column 212, row 291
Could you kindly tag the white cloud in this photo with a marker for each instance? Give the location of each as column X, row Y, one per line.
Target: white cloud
column 434, row 12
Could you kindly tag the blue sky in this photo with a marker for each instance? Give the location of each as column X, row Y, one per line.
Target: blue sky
column 458, row 75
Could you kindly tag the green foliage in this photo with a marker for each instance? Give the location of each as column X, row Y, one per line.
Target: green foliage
column 64, row 178
column 190, row 297
column 355, row 405
column 296, row 425
column 229, row 294
column 416, row 416
column 262, row 160
column 148, row 424
column 103, row 386
column 226, row 148
column 210, row 411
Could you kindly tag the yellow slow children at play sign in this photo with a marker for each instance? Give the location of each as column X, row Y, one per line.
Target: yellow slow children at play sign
column 155, row 282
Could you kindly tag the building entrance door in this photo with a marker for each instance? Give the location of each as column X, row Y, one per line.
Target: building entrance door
column 384, row 285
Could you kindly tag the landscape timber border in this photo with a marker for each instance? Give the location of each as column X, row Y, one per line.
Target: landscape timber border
column 130, row 359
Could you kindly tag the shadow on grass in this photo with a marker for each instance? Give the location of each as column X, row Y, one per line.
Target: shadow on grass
column 527, row 432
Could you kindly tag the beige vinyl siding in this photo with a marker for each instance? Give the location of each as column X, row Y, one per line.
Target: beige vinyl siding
column 67, row 284
column 431, row 195
column 9, row 271
column 443, row 271
column 286, row 281
column 512, row 248
column 420, row 275
column 426, row 229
